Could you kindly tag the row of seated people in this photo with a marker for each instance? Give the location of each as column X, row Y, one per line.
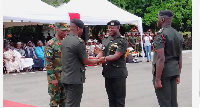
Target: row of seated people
column 27, row 58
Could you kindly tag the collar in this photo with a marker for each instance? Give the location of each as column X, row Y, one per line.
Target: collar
column 71, row 34
column 161, row 30
column 117, row 36
column 167, row 26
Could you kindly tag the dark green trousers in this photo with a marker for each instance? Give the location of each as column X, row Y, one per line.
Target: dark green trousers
column 73, row 94
column 167, row 95
column 116, row 90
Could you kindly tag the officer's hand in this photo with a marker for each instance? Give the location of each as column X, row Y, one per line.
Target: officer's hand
column 91, row 57
column 23, row 57
column 55, row 82
column 178, row 79
column 158, row 84
column 102, row 60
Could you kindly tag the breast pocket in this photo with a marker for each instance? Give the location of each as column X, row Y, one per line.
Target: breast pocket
column 57, row 52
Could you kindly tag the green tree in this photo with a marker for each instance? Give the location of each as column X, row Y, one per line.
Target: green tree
column 148, row 10
column 55, row 2
column 182, row 10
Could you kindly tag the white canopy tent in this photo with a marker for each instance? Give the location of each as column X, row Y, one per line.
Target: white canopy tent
column 99, row 12
column 30, row 12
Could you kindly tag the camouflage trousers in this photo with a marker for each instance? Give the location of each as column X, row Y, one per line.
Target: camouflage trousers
column 57, row 94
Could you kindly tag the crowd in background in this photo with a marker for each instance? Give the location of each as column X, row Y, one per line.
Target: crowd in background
column 19, row 57
column 30, row 57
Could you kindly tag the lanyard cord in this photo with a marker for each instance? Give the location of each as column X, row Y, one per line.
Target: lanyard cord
column 154, row 41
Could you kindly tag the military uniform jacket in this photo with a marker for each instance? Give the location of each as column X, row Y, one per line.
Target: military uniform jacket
column 52, row 57
column 117, row 68
column 132, row 40
column 73, row 52
column 172, row 42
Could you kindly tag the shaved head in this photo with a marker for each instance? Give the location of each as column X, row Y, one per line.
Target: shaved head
column 72, row 26
column 164, row 20
column 75, row 29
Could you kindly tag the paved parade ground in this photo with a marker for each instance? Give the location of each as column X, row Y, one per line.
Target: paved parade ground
column 31, row 88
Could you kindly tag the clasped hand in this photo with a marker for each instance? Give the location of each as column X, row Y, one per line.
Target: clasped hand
column 100, row 60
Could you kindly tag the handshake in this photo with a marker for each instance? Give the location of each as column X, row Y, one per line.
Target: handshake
column 98, row 60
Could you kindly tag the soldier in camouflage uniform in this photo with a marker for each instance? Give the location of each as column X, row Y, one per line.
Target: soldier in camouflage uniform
column 137, row 43
column 127, row 37
column 132, row 41
column 53, row 66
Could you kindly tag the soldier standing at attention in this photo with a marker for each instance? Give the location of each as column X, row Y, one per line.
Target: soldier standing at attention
column 114, row 67
column 53, row 66
column 74, row 59
column 167, row 60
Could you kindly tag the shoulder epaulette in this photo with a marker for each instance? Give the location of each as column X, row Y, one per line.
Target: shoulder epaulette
column 106, row 36
column 122, row 36
column 50, row 42
column 80, row 40
column 161, row 30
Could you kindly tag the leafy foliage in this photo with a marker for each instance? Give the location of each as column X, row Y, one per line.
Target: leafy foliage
column 55, row 2
column 148, row 10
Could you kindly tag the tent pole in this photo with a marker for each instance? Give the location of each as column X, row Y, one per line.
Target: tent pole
column 141, row 33
column 4, row 33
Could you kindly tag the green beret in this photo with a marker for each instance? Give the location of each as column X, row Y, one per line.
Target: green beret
column 114, row 23
column 62, row 26
column 166, row 13
column 78, row 22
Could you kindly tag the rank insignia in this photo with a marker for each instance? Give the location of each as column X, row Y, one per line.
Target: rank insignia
column 160, row 31
column 65, row 25
column 81, row 40
column 112, row 23
column 103, row 48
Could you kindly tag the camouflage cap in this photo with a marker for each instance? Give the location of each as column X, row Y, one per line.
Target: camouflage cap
column 62, row 26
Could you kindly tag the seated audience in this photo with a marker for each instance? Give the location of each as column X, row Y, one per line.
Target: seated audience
column 30, row 53
column 25, row 62
column 12, row 63
column 39, row 51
